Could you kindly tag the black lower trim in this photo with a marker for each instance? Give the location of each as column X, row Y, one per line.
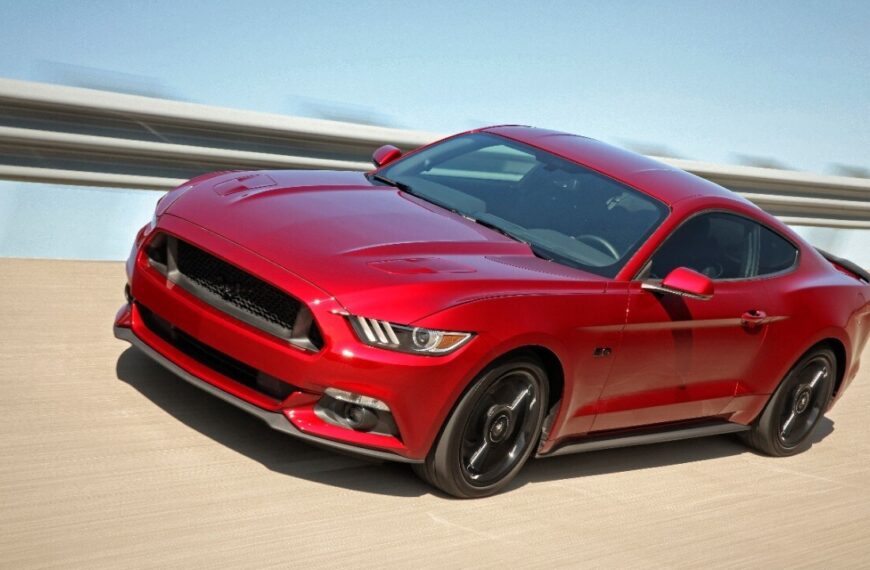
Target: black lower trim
column 275, row 420
column 656, row 435
column 222, row 363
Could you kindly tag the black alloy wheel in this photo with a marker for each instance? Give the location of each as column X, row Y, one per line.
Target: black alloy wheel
column 797, row 406
column 492, row 432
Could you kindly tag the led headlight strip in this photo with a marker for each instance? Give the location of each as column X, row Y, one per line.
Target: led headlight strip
column 414, row 340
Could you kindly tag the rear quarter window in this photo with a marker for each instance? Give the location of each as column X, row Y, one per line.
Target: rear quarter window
column 776, row 253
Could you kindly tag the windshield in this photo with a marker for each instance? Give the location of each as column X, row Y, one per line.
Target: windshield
column 565, row 212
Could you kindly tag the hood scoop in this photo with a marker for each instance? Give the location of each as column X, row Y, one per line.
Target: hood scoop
column 242, row 183
column 420, row 265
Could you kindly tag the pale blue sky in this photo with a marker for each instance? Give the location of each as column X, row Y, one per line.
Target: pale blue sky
column 786, row 80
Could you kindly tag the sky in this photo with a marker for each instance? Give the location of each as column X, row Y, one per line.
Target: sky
column 785, row 81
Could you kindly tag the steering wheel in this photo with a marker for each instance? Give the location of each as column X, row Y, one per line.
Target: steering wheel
column 600, row 241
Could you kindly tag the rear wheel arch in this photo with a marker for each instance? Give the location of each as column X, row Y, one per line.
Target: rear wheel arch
column 830, row 342
column 799, row 401
column 839, row 350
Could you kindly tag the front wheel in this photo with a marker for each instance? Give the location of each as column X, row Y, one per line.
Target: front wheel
column 492, row 431
column 796, row 407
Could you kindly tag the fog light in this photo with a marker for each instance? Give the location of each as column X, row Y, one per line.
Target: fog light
column 360, row 418
column 356, row 412
column 358, row 399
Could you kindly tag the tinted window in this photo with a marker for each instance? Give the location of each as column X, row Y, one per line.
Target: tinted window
column 496, row 162
column 723, row 246
column 564, row 211
column 777, row 254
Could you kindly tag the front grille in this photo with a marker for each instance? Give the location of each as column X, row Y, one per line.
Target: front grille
column 214, row 359
column 234, row 291
column 236, row 287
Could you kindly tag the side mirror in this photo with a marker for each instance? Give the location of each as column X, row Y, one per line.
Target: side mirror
column 684, row 282
column 385, row 155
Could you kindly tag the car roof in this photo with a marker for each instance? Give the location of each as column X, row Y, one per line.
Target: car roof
column 665, row 182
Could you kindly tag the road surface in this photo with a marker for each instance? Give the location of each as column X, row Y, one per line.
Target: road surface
column 108, row 461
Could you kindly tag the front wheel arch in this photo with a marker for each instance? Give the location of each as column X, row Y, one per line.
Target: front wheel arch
column 545, row 356
column 552, row 366
column 444, row 466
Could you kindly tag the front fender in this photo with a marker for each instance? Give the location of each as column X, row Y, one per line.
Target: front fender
column 571, row 327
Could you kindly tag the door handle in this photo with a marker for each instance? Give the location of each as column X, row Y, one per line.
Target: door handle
column 753, row 318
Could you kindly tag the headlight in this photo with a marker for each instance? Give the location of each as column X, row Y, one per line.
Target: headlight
column 415, row 340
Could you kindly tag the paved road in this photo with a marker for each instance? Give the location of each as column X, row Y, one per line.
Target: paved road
column 107, row 461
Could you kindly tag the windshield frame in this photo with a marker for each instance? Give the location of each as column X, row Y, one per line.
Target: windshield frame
column 382, row 175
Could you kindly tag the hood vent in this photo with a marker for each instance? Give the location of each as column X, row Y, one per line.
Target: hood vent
column 242, row 183
column 420, row 265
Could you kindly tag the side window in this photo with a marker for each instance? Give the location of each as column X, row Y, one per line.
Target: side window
column 723, row 246
column 777, row 254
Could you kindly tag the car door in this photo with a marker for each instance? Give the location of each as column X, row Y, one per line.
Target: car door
column 682, row 358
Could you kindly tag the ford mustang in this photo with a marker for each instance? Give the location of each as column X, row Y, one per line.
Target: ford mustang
column 503, row 293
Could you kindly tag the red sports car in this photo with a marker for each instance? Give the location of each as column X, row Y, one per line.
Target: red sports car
column 501, row 293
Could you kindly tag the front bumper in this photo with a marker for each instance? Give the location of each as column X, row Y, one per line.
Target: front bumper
column 419, row 390
column 274, row 420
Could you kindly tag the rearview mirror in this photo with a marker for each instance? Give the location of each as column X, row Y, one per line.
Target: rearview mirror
column 684, row 282
column 385, row 155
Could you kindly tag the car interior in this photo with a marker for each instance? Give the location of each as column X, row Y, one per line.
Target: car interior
column 723, row 246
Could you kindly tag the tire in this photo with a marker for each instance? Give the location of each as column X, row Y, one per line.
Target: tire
column 796, row 407
column 502, row 412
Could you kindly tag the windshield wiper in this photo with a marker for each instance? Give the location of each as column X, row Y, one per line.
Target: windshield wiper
column 536, row 250
column 408, row 190
column 394, row 183
column 542, row 253
column 493, row 226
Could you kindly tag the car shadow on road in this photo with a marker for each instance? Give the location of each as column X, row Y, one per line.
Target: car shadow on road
column 645, row 457
column 281, row 453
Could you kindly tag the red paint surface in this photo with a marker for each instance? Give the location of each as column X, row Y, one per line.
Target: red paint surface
column 339, row 243
column 684, row 279
column 385, row 155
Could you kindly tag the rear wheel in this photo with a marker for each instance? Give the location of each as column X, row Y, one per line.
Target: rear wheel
column 797, row 406
column 492, row 431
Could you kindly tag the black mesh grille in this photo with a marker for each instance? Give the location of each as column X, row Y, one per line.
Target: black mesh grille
column 236, row 287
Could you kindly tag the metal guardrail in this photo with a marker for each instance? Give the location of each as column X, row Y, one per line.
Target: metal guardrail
column 69, row 135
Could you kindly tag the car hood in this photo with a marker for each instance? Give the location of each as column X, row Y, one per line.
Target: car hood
column 379, row 251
